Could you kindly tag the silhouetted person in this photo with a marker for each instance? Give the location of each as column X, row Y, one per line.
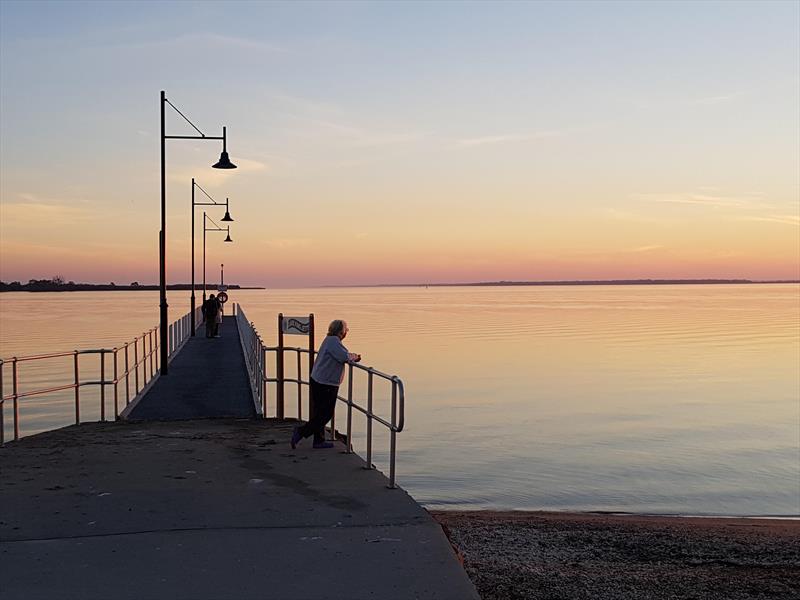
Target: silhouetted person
column 326, row 376
column 210, row 310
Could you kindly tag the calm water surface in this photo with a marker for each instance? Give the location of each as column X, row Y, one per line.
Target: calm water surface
column 660, row 399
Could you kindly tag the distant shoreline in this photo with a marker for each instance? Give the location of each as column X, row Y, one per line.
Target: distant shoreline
column 105, row 287
column 578, row 282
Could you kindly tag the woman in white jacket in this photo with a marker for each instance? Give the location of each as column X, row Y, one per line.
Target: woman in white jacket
column 326, row 376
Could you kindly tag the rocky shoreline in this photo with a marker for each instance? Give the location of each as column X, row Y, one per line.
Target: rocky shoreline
column 577, row 556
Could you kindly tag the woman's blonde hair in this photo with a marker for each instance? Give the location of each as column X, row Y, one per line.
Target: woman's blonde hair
column 337, row 327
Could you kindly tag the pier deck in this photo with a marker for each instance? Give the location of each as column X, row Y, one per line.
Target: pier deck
column 207, row 378
column 209, row 509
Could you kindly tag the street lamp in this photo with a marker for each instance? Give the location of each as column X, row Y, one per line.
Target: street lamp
column 226, row 218
column 223, row 163
column 205, row 229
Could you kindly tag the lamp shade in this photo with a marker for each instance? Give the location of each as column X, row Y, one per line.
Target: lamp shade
column 228, row 238
column 224, row 162
column 227, row 217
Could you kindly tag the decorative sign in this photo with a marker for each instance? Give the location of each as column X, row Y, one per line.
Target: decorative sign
column 296, row 325
column 222, row 297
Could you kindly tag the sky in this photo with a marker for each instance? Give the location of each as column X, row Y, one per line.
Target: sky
column 403, row 142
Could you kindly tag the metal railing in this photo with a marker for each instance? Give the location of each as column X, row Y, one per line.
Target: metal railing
column 255, row 352
column 136, row 360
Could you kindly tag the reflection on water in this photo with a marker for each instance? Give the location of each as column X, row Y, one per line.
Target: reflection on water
column 667, row 399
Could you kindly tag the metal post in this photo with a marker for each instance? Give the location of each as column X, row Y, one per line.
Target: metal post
column 127, row 378
column 136, row 364
column 299, row 388
column 102, row 385
column 369, row 423
column 350, row 408
column 279, row 364
column 194, row 324
column 393, row 436
column 150, row 341
column 263, row 383
column 116, row 388
column 204, row 256
column 15, row 396
column 310, row 357
column 162, row 255
column 77, row 390
column 2, row 407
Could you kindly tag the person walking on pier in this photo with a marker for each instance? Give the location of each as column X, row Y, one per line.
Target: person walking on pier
column 210, row 310
column 326, row 377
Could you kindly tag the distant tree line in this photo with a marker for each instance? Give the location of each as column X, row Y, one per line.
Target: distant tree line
column 57, row 284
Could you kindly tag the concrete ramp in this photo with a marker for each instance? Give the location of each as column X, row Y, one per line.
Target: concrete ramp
column 210, row 509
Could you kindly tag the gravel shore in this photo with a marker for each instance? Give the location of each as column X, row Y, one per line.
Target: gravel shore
column 573, row 556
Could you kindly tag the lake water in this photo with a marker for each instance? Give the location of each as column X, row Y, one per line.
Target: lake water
column 651, row 399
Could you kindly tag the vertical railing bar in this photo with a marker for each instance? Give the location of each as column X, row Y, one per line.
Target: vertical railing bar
column 262, row 384
column 150, row 336
column 127, row 377
column 2, row 406
column 102, row 385
column 350, row 408
column 369, row 422
column 116, row 388
column 15, row 391
column 300, row 389
column 393, row 436
column 77, row 390
column 136, row 364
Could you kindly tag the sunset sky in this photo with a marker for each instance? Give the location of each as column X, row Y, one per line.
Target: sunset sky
column 404, row 142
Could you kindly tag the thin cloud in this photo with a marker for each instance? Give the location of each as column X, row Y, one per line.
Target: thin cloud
column 284, row 243
column 703, row 199
column 786, row 219
column 510, row 137
column 214, row 177
column 351, row 135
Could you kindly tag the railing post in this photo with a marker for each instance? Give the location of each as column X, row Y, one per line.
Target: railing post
column 116, row 388
column 262, row 384
column 369, row 422
column 2, row 407
column 299, row 388
column 349, row 408
column 15, row 397
column 393, row 436
column 279, row 412
column 136, row 364
column 150, row 340
column 102, row 385
column 77, row 390
column 127, row 377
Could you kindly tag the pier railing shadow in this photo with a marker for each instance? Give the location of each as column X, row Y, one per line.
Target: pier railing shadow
column 377, row 396
column 128, row 370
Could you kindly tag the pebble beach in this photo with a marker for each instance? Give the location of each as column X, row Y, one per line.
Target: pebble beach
column 576, row 556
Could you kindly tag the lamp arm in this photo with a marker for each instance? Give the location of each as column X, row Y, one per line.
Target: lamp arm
column 185, row 118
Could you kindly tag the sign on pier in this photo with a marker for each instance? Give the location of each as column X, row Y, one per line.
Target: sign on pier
column 296, row 325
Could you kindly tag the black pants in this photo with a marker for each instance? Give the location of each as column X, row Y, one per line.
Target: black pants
column 323, row 401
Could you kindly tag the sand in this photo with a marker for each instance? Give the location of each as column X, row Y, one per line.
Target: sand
column 539, row 555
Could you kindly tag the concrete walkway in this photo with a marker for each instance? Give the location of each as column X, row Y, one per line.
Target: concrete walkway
column 209, row 509
column 207, row 378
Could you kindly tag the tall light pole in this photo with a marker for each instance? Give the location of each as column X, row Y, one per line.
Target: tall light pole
column 205, row 229
column 222, row 275
column 223, row 163
column 226, row 218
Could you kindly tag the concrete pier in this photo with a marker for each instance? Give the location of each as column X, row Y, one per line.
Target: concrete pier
column 209, row 509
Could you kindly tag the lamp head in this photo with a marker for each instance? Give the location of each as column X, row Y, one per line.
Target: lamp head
column 227, row 216
column 224, row 162
column 228, row 237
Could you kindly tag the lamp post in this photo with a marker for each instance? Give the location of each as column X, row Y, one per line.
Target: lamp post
column 223, row 163
column 226, row 218
column 221, row 275
column 205, row 229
